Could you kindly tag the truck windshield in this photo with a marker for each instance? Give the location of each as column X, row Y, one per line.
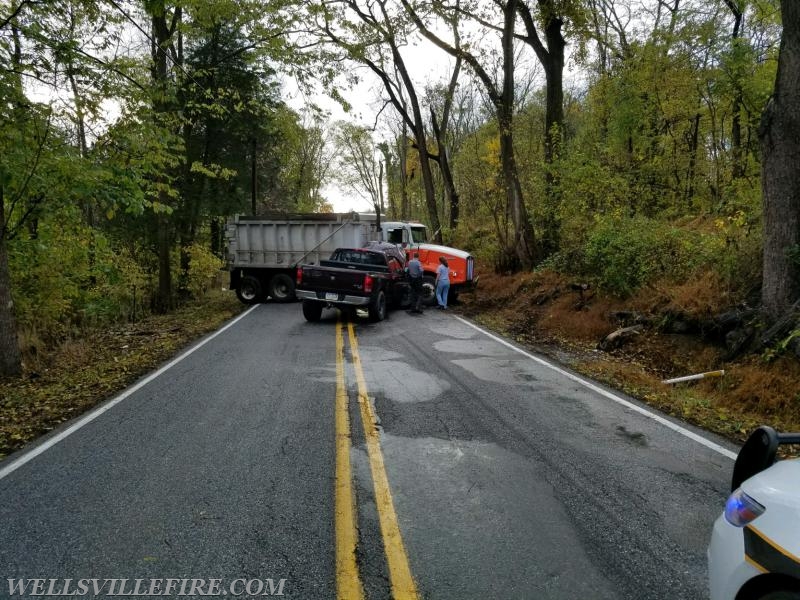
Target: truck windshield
column 419, row 235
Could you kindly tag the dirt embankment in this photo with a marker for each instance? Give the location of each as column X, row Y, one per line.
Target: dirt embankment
column 555, row 316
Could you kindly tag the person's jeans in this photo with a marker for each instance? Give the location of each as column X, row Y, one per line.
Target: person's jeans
column 441, row 293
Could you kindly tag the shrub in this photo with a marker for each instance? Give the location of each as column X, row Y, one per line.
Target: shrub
column 625, row 254
column 203, row 269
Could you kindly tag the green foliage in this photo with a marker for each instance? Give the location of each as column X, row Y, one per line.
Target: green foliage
column 66, row 276
column 624, row 254
column 781, row 347
column 482, row 243
column 303, row 165
column 204, row 267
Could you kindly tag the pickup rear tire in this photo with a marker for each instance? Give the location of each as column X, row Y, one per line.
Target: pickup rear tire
column 249, row 290
column 377, row 310
column 281, row 288
column 312, row 311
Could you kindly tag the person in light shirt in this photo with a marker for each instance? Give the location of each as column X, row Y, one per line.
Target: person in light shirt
column 442, row 283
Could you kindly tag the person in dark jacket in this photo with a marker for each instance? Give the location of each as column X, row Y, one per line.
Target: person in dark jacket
column 414, row 269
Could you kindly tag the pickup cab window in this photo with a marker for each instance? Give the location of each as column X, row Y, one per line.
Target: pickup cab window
column 360, row 257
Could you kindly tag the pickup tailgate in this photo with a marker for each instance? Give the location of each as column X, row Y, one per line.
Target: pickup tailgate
column 332, row 280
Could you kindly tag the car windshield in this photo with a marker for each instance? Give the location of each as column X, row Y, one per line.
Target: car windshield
column 419, row 235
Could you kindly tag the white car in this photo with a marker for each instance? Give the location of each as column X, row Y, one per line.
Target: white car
column 754, row 552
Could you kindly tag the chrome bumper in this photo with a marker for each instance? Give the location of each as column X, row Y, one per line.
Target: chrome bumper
column 343, row 298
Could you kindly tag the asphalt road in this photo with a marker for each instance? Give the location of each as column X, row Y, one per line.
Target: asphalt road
column 489, row 474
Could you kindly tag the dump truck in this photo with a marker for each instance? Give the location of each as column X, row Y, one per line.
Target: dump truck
column 263, row 252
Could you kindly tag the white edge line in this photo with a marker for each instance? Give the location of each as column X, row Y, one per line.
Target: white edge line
column 666, row 422
column 43, row 447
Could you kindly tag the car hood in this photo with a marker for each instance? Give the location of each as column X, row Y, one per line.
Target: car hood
column 778, row 484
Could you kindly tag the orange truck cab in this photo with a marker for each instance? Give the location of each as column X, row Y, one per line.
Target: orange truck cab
column 413, row 237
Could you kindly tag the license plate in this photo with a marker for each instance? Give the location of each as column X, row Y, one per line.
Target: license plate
column 331, row 296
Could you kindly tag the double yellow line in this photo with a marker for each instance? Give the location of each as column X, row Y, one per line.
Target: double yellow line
column 348, row 582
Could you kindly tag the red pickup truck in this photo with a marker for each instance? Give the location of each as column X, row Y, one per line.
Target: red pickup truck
column 372, row 278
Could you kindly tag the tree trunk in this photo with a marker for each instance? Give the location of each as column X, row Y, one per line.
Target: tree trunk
column 420, row 138
column 524, row 241
column 523, row 244
column 405, row 206
column 10, row 360
column 440, row 132
column 427, row 178
column 554, row 79
column 554, row 122
column 691, row 171
column 737, row 153
column 551, row 57
column 447, row 174
column 159, row 49
column 381, row 205
column 163, row 300
column 780, row 144
column 216, row 229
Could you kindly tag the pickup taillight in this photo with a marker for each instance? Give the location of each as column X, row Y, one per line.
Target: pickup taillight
column 367, row 283
column 299, row 275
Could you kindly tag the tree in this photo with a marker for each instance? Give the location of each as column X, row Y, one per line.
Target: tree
column 780, row 144
column 12, row 92
column 164, row 22
column 737, row 11
column 396, row 157
column 222, row 94
column 502, row 99
column 38, row 43
column 551, row 56
column 382, row 32
column 10, row 361
column 441, row 126
column 359, row 166
column 304, row 156
column 231, row 134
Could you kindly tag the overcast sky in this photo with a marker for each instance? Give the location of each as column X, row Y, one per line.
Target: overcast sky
column 426, row 64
